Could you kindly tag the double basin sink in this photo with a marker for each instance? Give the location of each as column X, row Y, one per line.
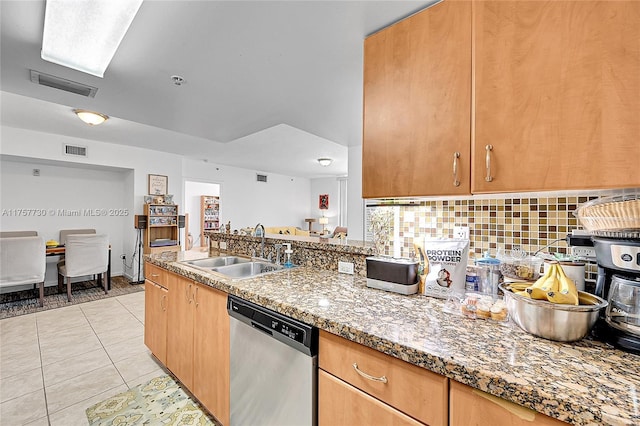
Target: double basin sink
column 235, row 267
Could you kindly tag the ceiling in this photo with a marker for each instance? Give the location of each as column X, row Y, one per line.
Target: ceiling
column 270, row 85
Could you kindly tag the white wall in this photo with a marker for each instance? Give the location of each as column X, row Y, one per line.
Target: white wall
column 27, row 144
column 331, row 187
column 51, row 202
column 192, row 205
column 355, row 204
column 281, row 201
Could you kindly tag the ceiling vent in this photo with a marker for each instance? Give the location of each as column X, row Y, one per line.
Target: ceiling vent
column 78, row 151
column 261, row 178
column 63, row 84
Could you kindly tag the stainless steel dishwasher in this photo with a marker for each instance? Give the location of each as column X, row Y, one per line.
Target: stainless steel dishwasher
column 273, row 367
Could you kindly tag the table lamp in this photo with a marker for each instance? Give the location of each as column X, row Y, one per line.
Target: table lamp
column 323, row 221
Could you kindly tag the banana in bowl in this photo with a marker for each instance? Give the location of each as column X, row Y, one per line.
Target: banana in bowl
column 553, row 321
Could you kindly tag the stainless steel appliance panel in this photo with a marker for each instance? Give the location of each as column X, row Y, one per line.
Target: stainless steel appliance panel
column 272, row 383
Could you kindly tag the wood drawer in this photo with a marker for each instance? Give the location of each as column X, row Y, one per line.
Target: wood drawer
column 340, row 404
column 413, row 390
column 471, row 407
column 155, row 274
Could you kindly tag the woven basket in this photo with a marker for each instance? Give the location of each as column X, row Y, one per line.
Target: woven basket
column 608, row 215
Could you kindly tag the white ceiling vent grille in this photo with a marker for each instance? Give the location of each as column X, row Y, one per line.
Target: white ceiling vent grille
column 78, row 151
column 63, row 84
column 261, row 178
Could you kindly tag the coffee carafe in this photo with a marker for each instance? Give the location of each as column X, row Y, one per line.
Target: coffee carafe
column 619, row 283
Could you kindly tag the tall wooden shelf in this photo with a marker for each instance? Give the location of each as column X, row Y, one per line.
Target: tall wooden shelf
column 209, row 215
column 162, row 233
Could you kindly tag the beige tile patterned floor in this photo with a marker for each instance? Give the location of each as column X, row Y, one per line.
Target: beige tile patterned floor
column 55, row 364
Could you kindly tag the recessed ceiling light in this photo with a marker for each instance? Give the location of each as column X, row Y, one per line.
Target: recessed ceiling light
column 324, row 162
column 90, row 117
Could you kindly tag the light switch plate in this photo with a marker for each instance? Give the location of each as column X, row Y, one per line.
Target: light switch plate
column 345, row 267
column 223, row 245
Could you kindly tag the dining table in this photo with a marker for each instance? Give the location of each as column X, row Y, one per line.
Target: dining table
column 59, row 251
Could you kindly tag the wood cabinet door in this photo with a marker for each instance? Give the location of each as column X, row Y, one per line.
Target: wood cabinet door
column 471, row 407
column 180, row 328
column 155, row 320
column 211, row 351
column 341, row 404
column 417, row 105
column 557, row 95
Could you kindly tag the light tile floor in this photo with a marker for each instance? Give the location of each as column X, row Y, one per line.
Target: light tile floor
column 55, row 364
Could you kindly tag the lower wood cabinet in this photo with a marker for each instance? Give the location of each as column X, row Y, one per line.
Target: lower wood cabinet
column 342, row 404
column 471, row 407
column 155, row 314
column 211, row 351
column 198, row 342
column 404, row 387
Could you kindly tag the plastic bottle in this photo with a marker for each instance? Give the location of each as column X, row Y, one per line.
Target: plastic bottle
column 287, row 254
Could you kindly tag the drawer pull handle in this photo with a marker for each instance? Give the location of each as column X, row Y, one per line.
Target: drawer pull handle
column 523, row 413
column 155, row 275
column 456, row 181
column 382, row 379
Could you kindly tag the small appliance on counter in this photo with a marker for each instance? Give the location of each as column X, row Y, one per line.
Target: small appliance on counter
column 614, row 223
column 399, row 275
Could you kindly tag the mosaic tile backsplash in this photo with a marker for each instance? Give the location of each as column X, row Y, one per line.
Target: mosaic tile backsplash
column 530, row 222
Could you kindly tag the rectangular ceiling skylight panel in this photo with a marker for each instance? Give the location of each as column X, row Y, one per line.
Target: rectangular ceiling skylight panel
column 85, row 34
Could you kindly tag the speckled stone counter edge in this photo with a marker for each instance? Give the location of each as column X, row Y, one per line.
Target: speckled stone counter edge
column 561, row 406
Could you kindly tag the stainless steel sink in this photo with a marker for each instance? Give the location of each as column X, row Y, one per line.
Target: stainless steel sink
column 234, row 267
column 246, row 270
column 213, row 262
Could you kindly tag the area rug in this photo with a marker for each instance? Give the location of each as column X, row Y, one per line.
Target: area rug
column 161, row 401
column 26, row 301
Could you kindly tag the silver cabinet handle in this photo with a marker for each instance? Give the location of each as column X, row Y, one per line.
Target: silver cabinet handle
column 195, row 297
column 187, row 294
column 382, row 379
column 488, row 148
column 155, row 275
column 456, row 181
column 163, row 304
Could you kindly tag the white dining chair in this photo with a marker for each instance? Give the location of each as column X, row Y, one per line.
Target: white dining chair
column 23, row 261
column 85, row 254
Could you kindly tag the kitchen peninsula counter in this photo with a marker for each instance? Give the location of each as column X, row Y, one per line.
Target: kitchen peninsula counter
column 582, row 383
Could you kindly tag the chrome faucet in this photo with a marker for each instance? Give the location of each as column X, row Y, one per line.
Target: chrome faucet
column 255, row 234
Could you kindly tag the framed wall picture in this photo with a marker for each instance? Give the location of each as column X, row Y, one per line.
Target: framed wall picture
column 158, row 184
column 323, row 202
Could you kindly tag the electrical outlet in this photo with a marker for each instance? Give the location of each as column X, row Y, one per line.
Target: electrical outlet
column 461, row 232
column 222, row 245
column 345, row 267
column 583, row 251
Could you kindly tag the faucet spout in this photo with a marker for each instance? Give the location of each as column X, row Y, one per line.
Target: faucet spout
column 260, row 227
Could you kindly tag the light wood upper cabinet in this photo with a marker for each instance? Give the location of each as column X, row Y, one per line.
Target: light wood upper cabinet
column 417, row 98
column 557, row 95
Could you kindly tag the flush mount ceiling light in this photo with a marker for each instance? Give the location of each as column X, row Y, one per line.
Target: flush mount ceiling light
column 324, row 162
column 84, row 35
column 90, row 117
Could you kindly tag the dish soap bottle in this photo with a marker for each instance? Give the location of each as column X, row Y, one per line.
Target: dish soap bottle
column 287, row 254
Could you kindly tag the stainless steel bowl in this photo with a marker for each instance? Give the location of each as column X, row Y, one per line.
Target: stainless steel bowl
column 562, row 323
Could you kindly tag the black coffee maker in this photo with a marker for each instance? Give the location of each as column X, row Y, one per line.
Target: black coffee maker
column 618, row 283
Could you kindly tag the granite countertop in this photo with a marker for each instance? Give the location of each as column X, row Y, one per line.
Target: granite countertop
column 582, row 383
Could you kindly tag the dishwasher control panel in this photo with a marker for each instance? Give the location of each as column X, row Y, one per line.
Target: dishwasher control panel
column 272, row 323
